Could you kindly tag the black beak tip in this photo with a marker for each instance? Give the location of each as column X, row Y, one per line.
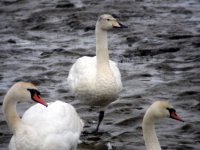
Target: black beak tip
column 123, row 26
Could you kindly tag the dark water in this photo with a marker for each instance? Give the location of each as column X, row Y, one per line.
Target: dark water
column 158, row 55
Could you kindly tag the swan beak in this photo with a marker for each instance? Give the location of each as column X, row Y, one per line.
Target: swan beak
column 38, row 99
column 173, row 115
column 118, row 25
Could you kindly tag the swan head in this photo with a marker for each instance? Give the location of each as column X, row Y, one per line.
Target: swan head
column 162, row 109
column 107, row 22
column 25, row 91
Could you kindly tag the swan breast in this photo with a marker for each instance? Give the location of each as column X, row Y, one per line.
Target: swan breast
column 93, row 86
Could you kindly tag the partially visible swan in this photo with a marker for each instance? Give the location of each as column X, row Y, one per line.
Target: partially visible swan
column 96, row 81
column 157, row 110
column 56, row 127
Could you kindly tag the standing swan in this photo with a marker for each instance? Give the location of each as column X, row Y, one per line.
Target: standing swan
column 56, row 127
column 96, row 81
column 157, row 110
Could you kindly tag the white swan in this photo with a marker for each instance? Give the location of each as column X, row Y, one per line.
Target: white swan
column 57, row 126
column 96, row 81
column 157, row 110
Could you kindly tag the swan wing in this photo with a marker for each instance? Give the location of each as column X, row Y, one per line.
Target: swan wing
column 117, row 74
column 82, row 74
column 59, row 124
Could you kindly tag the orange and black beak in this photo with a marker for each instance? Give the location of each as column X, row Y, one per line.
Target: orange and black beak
column 35, row 95
column 38, row 99
column 174, row 115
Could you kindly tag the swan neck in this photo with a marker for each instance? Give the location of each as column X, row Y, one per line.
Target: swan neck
column 101, row 47
column 149, row 133
column 10, row 113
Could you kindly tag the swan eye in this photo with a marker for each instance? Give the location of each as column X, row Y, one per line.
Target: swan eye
column 108, row 19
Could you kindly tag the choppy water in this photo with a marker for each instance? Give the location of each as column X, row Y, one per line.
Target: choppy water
column 158, row 55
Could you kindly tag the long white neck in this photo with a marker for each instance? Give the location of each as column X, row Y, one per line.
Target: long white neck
column 149, row 133
column 9, row 109
column 101, row 47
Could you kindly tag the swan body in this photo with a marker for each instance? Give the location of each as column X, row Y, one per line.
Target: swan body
column 57, row 126
column 97, row 80
column 159, row 109
column 92, row 88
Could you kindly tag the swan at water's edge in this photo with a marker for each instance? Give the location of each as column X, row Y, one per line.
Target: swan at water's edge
column 96, row 81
